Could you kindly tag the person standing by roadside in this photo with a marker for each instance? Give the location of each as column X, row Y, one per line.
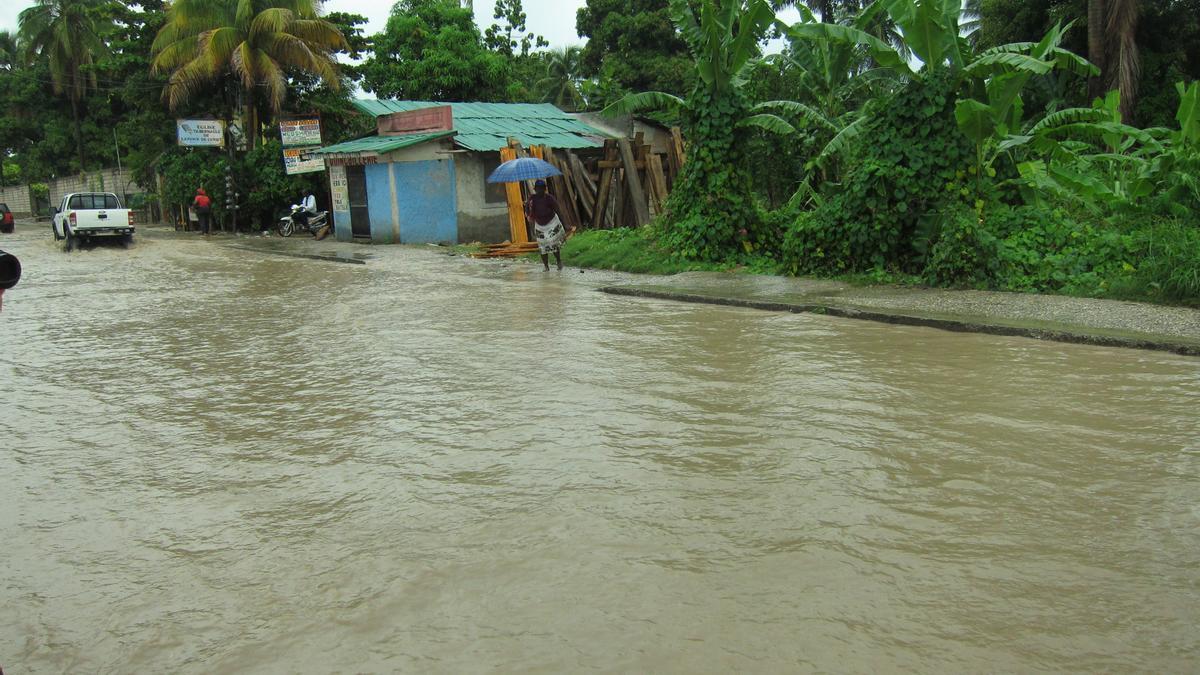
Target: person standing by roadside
column 203, row 206
column 542, row 209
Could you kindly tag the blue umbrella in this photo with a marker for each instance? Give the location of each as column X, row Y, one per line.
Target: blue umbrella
column 523, row 168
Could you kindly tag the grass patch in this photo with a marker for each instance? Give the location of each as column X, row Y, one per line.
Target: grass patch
column 626, row 250
column 637, row 250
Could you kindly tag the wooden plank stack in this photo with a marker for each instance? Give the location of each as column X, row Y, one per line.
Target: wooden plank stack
column 625, row 184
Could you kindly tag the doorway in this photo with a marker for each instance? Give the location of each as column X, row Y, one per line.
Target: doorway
column 356, row 187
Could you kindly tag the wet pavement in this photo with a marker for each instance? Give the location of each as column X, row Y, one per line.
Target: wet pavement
column 225, row 458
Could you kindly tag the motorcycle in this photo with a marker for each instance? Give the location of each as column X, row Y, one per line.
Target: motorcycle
column 292, row 223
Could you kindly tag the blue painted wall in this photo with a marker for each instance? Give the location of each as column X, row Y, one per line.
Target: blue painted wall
column 385, row 226
column 341, row 226
column 428, row 207
column 411, row 202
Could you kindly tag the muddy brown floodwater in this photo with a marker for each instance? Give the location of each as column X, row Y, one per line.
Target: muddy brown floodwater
column 216, row 460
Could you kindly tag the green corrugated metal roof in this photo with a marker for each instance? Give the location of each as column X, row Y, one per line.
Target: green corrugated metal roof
column 486, row 127
column 379, row 145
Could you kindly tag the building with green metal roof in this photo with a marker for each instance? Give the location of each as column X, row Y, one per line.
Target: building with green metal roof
column 423, row 176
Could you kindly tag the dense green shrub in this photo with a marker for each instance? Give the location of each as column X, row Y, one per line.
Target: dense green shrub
column 913, row 165
column 1052, row 251
column 965, row 252
column 1166, row 265
column 713, row 202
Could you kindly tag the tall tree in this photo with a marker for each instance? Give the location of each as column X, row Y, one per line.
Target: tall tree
column 432, row 50
column 632, row 46
column 562, row 83
column 1123, row 63
column 255, row 41
column 67, row 34
column 1097, row 21
column 9, row 53
column 511, row 37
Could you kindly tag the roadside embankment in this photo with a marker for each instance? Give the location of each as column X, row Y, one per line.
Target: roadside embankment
column 1045, row 317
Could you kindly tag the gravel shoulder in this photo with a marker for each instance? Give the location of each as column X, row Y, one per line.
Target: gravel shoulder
column 1050, row 317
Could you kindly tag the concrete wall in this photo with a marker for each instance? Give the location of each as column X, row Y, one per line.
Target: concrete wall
column 17, row 199
column 478, row 221
column 107, row 180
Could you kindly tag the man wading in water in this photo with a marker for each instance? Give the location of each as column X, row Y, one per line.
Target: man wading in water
column 542, row 208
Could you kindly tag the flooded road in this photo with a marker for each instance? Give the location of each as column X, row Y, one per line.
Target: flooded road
column 217, row 460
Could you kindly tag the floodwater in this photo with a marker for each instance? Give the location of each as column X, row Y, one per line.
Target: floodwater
column 217, row 460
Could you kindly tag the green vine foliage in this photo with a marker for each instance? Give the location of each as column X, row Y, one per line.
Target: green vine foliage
column 712, row 211
column 913, row 167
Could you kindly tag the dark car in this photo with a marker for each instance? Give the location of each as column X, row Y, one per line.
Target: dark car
column 6, row 219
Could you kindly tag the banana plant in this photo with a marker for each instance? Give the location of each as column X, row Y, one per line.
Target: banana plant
column 990, row 105
column 1088, row 156
column 837, row 79
column 713, row 203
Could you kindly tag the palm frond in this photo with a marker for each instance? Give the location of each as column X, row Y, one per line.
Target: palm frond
column 269, row 22
column 320, row 33
column 649, row 100
column 1071, row 62
column 841, row 142
column 1008, row 61
column 1065, row 117
column 772, row 123
column 879, row 50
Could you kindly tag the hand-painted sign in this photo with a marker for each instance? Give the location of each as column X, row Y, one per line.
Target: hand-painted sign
column 339, row 188
column 201, row 133
column 300, row 160
column 300, row 131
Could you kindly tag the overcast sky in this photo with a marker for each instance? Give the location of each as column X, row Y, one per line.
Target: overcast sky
column 554, row 19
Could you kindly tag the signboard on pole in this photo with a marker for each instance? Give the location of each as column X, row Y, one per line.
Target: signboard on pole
column 299, row 160
column 340, row 188
column 300, row 136
column 300, row 131
column 200, row 133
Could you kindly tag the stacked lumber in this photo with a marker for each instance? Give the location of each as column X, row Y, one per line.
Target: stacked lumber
column 506, row 250
column 625, row 184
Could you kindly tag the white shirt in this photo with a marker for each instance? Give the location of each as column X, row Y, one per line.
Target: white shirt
column 310, row 204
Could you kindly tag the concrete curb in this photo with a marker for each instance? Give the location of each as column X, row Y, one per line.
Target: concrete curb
column 960, row 326
column 306, row 256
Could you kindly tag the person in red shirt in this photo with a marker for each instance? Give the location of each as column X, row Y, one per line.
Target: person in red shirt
column 203, row 206
column 542, row 209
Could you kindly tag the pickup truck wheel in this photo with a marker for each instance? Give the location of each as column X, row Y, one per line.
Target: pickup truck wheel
column 72, row 239
column 54, row 231
column 127, row 240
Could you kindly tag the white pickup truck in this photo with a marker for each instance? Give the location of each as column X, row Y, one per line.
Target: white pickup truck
column 84, row 215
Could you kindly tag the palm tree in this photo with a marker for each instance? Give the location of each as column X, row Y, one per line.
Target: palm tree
column 561, row 86
column 255, row 41
column 66, row 33
column 1112, row 47
column 8, row 50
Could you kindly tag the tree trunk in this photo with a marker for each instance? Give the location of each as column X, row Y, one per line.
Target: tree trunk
column 825, row 7
column 1125, row 66
column 78, row 131
column 1097, row 48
